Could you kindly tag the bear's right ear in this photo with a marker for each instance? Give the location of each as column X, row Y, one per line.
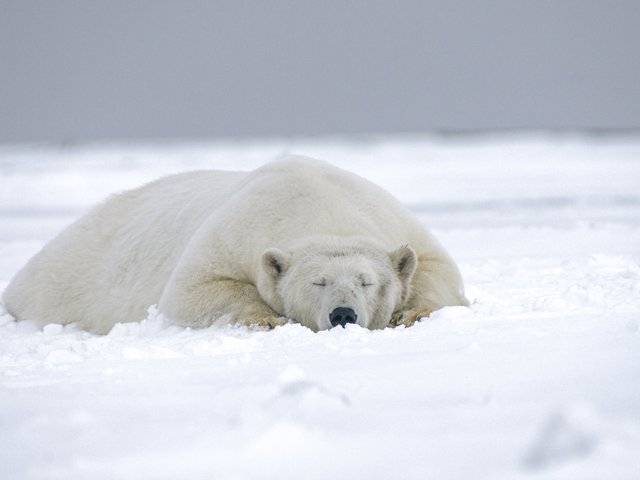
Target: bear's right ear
column 275, row 262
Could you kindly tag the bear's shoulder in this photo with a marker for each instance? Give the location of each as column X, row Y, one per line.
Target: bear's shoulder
column 298, row 172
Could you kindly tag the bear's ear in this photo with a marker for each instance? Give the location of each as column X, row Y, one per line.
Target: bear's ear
column 405, row 262
column 275, row 262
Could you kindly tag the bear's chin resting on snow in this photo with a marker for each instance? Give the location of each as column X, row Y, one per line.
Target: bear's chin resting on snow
column 296, row 239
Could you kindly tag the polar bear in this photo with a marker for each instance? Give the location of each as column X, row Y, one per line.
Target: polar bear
column 295, row 240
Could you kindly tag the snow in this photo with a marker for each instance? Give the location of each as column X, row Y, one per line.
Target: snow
column 538, row 379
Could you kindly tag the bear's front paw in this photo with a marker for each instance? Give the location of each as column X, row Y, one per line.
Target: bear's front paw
column 277, row 322
column 268, row 321
column 407, row 317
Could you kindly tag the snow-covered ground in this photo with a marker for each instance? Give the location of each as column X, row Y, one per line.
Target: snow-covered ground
column 540, row 378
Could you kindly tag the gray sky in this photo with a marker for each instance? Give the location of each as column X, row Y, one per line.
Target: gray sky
column 81, row 70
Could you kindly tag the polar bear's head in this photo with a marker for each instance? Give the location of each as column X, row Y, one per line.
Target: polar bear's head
column 329, row 286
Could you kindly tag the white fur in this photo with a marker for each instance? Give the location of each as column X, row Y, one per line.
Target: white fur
column 295, row 238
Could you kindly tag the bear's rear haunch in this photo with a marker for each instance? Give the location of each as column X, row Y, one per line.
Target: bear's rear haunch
column 295, row 240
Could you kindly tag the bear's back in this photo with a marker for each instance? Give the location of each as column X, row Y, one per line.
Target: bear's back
column 288, row 200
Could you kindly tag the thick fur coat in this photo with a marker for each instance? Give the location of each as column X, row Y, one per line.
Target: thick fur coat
column 296, row 239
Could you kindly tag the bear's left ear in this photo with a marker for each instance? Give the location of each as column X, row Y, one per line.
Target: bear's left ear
column 405, row 262
column 275, row 262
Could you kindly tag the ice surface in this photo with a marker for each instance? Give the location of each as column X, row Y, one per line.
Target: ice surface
column 538, row 379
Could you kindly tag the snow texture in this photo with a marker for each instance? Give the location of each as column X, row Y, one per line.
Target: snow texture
column 539, row 378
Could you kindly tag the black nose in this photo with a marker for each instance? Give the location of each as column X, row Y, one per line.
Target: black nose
column 342, row 316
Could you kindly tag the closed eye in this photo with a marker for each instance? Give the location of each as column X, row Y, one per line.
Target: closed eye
column 365, row 281
column 321, row 283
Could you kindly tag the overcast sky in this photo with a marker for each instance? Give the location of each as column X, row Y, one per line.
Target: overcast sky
column 82, row 70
